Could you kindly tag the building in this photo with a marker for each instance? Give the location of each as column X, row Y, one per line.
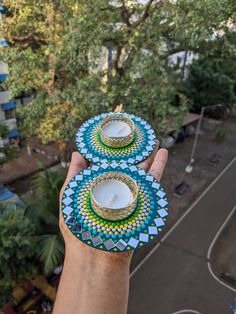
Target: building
column 7, row 105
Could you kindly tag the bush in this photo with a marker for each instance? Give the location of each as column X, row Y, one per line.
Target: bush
column 17, row 253
column 210, row 82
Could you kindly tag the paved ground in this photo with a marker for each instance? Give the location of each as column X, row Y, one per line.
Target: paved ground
column 204, row 171
column 176, row 275
column 226, row 263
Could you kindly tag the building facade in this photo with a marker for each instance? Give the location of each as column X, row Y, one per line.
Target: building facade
column 7, row 105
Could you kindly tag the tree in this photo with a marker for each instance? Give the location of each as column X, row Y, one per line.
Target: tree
column 211, row 82
column 17, row 250
column 7, row 152
column 35, row 31
column 57, row 50
column 211, row 77
column 42, row 210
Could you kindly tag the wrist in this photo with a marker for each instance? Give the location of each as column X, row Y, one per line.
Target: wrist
column 81, row 254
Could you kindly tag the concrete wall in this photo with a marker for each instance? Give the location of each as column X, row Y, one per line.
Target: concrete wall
column 5, row 97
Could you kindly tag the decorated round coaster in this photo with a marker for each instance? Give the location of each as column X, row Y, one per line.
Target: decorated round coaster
column 142, row 226
column 92, row 143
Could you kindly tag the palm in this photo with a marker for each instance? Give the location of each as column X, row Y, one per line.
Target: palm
column 155, row 164
column 43, row 211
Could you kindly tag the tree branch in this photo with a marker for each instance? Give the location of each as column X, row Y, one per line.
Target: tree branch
column 22, row 38
column 117, row 59
column 125, row 14
column 144, row 16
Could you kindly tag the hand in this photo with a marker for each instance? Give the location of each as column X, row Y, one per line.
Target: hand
column 155, row 164
column 90, row 272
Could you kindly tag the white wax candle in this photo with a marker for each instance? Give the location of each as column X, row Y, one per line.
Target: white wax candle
column 116, row 128
column 112, row 194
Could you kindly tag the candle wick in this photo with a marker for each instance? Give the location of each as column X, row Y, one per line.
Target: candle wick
column 111, row 199
column 122, row 128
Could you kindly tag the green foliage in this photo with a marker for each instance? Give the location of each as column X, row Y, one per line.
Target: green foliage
column 58, row 51
column 31, row 234
column 43, row 211
column 17, row 251
column 50, row 251
column 6, row 291
column 211, row 83
column 3, row 131
column 35, row 32
column 7, row 152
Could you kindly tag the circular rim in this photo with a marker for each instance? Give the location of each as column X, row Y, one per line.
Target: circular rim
column 131, row 233
column 89, row 144
column 121, row 213
column 121, row 141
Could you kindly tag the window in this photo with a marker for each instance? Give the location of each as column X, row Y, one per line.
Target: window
column 10, row 114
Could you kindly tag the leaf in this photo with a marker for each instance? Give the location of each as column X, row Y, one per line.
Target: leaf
column 50, row 251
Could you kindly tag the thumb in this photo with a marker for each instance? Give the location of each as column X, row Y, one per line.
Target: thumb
column 77, row 164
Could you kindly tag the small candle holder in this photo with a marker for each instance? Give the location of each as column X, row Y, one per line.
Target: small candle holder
column 138, row 213
column 117, row 141
column 109, row 213
column 113, row 136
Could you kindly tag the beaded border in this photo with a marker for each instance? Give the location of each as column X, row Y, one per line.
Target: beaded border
column 128, row 234
column 89, row 144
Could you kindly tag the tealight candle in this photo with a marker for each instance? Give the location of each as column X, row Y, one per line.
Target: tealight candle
column 114, row 195
column 117, row 130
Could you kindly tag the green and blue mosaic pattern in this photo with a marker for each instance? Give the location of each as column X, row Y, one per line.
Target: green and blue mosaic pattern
column 129, row 234
column 89, row 144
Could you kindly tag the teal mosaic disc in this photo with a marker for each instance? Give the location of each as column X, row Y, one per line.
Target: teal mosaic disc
column 128, row 234
column 89, row 144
